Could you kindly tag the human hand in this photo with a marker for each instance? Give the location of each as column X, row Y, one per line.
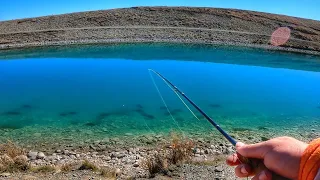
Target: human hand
column 280, row 155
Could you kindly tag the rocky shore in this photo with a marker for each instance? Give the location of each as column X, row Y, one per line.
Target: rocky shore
column 162, row 24
column 127, row 161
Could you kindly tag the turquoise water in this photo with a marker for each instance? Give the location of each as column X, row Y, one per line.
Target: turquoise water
column 108, row 89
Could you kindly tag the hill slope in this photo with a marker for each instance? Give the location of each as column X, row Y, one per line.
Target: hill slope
column 151, row 23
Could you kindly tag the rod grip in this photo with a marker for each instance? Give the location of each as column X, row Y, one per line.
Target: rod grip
column 257, row 165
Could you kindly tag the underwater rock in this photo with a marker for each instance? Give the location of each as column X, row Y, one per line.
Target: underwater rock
column 215, row 105
column 12, row 113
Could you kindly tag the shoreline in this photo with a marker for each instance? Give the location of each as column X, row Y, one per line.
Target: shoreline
column 170, row 41
column 208, row 158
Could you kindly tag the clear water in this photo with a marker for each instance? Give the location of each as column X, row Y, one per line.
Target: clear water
column 108, row 89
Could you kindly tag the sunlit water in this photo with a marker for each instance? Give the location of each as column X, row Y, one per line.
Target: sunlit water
column 109, row 90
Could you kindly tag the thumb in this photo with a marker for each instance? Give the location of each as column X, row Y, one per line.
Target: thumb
column 253, row 150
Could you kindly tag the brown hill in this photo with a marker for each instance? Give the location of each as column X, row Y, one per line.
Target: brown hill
column 183, row 24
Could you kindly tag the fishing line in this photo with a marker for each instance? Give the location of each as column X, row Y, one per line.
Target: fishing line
column 173, row 91
column 164, row 102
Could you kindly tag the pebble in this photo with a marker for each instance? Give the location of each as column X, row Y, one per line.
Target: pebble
column 40, row 155
column 5, row 174
column 218, row 169
column 66, row 152
column 118, row 172
column 32, row 155
column 135, row 165
column 58, row 151
column 28, row 177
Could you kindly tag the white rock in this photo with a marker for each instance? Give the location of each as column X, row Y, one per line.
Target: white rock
column 5, row 174
column 66, row 152
column 40, row 155
column 32, row 155
column 118, row 171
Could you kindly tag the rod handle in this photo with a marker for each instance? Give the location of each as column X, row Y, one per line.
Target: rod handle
column 257, row 165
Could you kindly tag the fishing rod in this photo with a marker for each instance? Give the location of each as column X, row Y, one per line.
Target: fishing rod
column 256, row 164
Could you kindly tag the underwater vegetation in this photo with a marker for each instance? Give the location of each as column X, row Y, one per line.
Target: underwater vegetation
column 65, row 114
column 215, row 105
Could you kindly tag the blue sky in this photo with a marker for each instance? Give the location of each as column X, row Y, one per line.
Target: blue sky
column 16, row 9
